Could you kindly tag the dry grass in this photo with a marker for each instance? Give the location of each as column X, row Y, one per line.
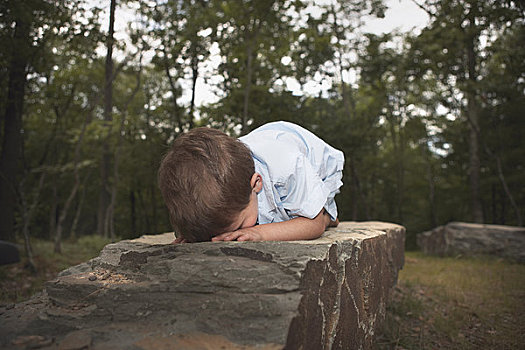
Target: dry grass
column 456, row 303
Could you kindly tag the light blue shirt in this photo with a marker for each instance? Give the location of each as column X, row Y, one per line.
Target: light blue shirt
column 301, row 174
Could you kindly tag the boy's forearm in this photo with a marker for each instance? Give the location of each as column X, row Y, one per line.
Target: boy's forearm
column 295, row 229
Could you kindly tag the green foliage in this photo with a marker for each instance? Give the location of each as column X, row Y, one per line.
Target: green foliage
column 402, row 123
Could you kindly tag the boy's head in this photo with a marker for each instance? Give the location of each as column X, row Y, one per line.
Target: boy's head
column 205, row 181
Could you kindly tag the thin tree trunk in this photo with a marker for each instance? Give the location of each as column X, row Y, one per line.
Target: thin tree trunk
column 174, row 91
column 63, row 214
column 133, row 211
column 473, row 117
column 397, row 141
column 74, row 189
column 431, row 188
column 401, row 175
column 493, row 204
column 74, row 225
column 153, row 190
column 247, row 88
column 27, row 215
column 474, row 162
column 143, row 209
column 353, row 189
column 104, row 196
column 194, row 77
column 507, row 191
column 110, row 224
column 363, row 201
column 339, row 62
column 53, row 210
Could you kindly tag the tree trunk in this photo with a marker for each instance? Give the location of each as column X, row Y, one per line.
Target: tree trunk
column 53, row 217
column 27, row 214
column 110, row 222
column 194, row 77
column 153, row 191
column 398, row 141
column 63, row 213
column 174, row 90
column 474, row 130
column 353, row 189
column 104, row 196
column 74, row 225
column 474, row 162
column 431, row 187
column 362, row 196
column 247, row 88
column 74, row 189
column 507, row 192
column 143, row 209
column 12, row 124
column 401, row 175
column 133, row 211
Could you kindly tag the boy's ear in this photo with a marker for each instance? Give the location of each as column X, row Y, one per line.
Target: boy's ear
column 256, row 182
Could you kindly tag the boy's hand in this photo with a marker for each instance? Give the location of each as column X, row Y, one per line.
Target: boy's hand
column 179, row 240
column 243, row 234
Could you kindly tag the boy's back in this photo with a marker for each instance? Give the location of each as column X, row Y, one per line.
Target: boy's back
column 301, row 173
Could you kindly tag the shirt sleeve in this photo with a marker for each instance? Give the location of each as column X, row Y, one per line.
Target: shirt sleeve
column 302, row 192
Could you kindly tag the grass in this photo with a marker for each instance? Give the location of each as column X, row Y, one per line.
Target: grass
column 456, row 303
column 17, row 283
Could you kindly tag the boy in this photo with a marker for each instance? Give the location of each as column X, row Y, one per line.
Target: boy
column 276, row 183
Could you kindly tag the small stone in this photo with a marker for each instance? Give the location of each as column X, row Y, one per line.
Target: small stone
column 41, row 343
column 76, row 340
column 32, row 341
column 92, row 278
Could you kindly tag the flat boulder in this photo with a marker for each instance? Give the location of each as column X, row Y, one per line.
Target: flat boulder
column 473, row 239
column 328, row 293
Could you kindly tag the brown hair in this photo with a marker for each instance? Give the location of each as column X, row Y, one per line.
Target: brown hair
column 205, row 182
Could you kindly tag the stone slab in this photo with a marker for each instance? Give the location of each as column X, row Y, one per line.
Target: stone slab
column 473, row 239
column 329, row 293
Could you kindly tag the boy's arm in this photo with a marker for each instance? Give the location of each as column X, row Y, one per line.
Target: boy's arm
column 295, row 229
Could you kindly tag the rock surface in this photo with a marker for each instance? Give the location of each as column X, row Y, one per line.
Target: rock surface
column 470, row 239
column 329, row 293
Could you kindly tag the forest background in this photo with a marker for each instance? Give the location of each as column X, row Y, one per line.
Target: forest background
column 431, row 123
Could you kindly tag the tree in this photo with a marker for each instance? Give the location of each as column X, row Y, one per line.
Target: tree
column 104, row 197
column 451, row 47
column 20, row 15
column 338, row 27
column 503, row 102
column 29, row 31
column 253, row 37
column 185, row 30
